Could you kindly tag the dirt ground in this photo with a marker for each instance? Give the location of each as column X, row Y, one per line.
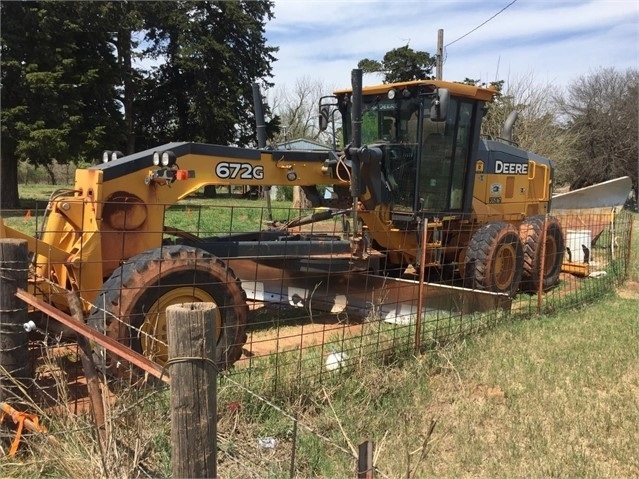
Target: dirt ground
column 266, row 337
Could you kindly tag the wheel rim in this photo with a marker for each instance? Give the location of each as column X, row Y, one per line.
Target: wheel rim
column 505, row 267
column 153, row 332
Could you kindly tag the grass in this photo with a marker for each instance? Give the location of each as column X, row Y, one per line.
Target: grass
column 552, row 395
column 198, row 215
column 547, row 397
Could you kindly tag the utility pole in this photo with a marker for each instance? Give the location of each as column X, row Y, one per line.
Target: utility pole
column 440, row 54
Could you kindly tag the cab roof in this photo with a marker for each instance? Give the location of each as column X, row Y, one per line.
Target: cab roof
column 456, row 89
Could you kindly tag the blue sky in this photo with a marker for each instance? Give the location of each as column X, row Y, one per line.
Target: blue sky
column 552, row 42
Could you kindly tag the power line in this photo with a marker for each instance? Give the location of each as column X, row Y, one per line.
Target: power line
column 481, row 25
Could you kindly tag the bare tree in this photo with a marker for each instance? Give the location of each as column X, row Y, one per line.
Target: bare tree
column 538, row 128
column 602, row 110
column 298, row 110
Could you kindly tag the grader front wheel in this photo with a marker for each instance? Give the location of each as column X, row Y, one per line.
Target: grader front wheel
column 131, row 305
column 494, row 259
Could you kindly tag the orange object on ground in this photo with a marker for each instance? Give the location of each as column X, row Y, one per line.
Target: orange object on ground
column 22, row 419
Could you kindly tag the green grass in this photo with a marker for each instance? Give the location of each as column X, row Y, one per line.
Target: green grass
column 197, row 215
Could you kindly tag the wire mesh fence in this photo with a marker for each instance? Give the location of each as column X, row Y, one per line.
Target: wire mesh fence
column 294, row 309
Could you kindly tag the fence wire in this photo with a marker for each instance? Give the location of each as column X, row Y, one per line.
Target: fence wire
column 292, row 318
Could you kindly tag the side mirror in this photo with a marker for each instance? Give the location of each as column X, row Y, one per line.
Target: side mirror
column 439, row 105
column 323, row 117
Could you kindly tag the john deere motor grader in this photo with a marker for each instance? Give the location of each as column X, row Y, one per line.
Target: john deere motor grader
column 415, row 177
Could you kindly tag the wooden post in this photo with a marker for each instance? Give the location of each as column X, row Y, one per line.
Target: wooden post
column 93, row 382
column 191, row 339
column 365, row 467
column 15, row 363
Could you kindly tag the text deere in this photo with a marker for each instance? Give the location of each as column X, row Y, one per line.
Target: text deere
column 511, row 168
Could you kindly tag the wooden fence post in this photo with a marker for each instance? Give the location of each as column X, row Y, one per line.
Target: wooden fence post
column 93, row 382
column 191, row 340
column 14, row 342
column 365, row 466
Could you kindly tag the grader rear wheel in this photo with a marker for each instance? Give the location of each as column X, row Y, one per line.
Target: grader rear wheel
column 494, row 259
column 132, row 303
column 531, row 232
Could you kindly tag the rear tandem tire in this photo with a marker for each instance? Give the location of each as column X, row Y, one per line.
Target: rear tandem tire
column 494, row 259
column 530, row 232
column 131, row 305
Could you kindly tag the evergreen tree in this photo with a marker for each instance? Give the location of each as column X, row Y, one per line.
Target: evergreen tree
column 401, row 64
column 58, row 99
column 71, row 86
column 212, row 52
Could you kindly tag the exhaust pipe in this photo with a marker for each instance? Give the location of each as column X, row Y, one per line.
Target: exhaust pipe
column 356, row 83
column 258, row 106
column 507, row 129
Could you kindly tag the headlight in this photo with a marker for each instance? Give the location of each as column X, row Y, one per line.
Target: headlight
column 156, row 158
column 106, row 156
column 115, row 155
column 168, row 158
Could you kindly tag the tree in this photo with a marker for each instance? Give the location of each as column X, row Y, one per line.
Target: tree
column 58, row 99
column 212, row 54
column 127, row 20
column 536, row 128
column 297, row 111
column 71, row 87
column 401, row 64
column 601, row 110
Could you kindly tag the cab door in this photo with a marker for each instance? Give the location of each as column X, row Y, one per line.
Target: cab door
column 445, row 156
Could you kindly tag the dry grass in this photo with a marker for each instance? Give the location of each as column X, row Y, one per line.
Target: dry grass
column 551, row 396
column 554, row 397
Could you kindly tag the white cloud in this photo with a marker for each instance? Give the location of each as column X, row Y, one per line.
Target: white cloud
column 557, row 41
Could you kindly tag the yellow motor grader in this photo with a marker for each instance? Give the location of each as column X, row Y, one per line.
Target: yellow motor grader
column 422, row 187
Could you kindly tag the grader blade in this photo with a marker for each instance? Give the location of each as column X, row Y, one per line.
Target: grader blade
column 381, row 298
column 607, row 194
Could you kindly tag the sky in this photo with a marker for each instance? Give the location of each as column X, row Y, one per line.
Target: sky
column 552, row 42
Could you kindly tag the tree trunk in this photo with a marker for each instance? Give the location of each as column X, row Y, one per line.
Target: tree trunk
column 51, row 173
column 210, row 192
column 9, row 197
column 299, row 198
column 124, row 47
